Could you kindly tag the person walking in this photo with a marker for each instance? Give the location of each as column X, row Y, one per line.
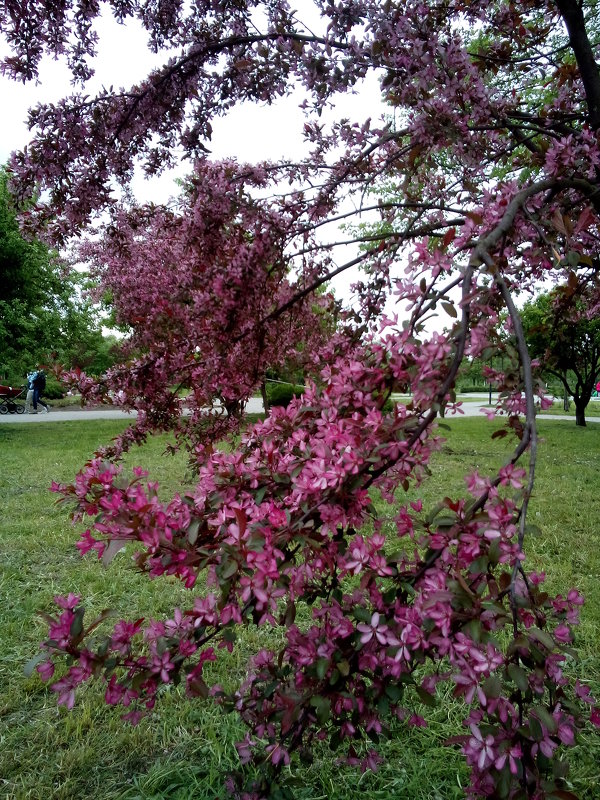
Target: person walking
column 29, row 399
column 39, row 384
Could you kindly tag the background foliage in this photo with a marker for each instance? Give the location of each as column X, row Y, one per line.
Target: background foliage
column 44, row 314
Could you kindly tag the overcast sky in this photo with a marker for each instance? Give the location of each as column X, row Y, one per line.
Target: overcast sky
column 251, row 132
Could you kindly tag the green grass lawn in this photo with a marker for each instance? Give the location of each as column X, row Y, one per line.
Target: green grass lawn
column 592, row 410
column 186, row 749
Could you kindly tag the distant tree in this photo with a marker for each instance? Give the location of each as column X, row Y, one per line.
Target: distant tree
column 44, row 316
column 566, row 341
column 91, row 350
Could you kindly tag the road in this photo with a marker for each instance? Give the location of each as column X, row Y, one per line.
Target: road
column 254, row 406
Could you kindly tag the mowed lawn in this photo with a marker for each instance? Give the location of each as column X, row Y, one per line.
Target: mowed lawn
column 187, row 748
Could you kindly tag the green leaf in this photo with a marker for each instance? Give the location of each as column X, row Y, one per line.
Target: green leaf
column 228, row 569
column 479, row 565
column 362, row 614
column 344, row 667
column 192, row 531
column 30, row 666
column 536, row 729
column 383, row 706
column 543, row 637
column 449, row 309
column 260, row 495
column 545, row 717
column 322, row 667
column 76, row 628
column 572, row 258
column 394, row 692
column 518, row 676
column 473, row 629
column 494, row 551
column 290, row 614
column 504, row 782
column 322, row 708
column 427, row 699
column 447, row 521
column 560, row 769
column 492, row 686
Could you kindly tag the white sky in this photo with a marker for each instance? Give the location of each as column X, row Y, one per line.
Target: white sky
column 251, row 132
column 123, row 59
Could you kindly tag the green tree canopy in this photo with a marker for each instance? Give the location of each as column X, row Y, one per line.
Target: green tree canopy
column 43, row 314
column 566, row 341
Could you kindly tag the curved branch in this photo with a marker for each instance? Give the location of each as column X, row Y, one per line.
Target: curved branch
column 530, row 435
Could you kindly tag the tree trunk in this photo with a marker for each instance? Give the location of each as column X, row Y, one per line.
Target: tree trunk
column 233, row 408
column 572, row 14
column 580, row 413
column 263, row 394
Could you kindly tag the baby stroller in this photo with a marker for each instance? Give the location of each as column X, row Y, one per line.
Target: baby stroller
column 8, row 397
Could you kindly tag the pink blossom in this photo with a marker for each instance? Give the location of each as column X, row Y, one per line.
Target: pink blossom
column 562, row 634
column 595, row 716
column 480, row 750
column 69, row 602
column 374, row 629
column 45, row 670
column 512, row 755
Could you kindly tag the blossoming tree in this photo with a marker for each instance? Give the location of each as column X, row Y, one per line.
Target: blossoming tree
column 493, row 160
column 210, row 306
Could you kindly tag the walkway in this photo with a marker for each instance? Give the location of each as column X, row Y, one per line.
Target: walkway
column 254, row 406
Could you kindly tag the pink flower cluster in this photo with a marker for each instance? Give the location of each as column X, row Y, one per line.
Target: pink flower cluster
column 273, row 527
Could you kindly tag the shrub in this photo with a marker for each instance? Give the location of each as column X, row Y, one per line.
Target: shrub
column 484, row 387
column 54, row 390
column 281, row 394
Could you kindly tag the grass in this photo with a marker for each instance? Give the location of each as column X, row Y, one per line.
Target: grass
column 557, row 408
column 592, row 410
column 186, row 749
column 68, row 401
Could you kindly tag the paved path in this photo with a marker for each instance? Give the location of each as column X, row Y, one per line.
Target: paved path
column 254, row 406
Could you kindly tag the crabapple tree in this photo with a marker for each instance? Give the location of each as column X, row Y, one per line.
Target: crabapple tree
column 482, row 182
column 214, row 299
